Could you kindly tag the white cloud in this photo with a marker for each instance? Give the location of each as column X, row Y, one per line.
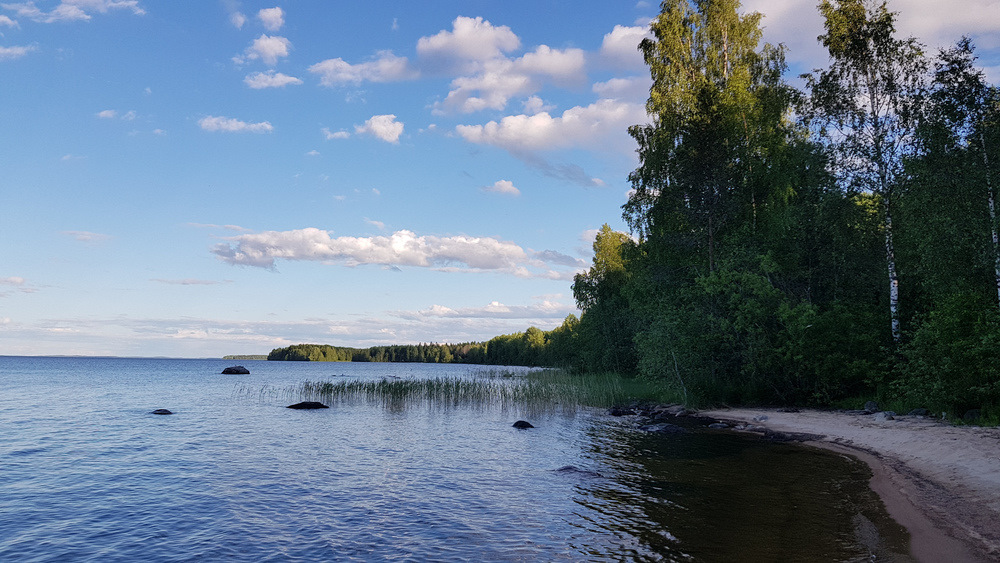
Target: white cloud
column 72, row 10
column 232, row 125
column 189, row 281
column 471, row 40
column 593, row 126
column 4, row 20
column 384, row 127
column 501, row 79
column 269, row 79
column 621, row 46
column 14, row 280
column 505, row 187
column 313, row 152
column 267, row 48
column 634, row 88
column 107, row 114
column 402, row 248
column 534, row 105
column 87, row 236
column 377, row 224
column 495, row 309
column 386, row 67
column 272, row 18
column 565, row 66
column 237, row 19
column 16, row 52
column 331, row 135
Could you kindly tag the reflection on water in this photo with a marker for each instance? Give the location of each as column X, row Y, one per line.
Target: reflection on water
column 720, row 496
column 86, row 473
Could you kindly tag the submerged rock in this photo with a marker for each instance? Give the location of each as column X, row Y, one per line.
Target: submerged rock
column 718, row 425
column 620, row 411
column 307, row 405
column 161, row 411
column 574, row 470
column 236, row 370
column 522, row 425
column 663, row 428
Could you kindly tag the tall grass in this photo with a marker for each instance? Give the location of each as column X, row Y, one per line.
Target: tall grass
column 495, row 388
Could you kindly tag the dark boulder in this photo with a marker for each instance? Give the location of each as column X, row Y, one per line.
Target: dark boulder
column 871, row 407
column 236, row 370
column 621, row 411
column 718, row 425
column 919, row 412
column 971, row 415
column 161, row 411
column 307, row 405
column 522, row 425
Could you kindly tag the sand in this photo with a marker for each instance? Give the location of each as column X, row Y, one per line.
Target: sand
column 940, row 481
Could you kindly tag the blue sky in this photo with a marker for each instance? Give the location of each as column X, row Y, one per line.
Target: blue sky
column 199, row 178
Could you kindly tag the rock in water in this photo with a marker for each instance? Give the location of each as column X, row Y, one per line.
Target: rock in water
column 161, row 411
column 236, row 370
column 307, row 405
column 522, row 425
column 663, row 428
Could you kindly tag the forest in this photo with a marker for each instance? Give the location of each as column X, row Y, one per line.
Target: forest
column 794, row 246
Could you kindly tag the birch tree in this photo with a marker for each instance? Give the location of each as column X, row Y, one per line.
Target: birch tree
column 864, row 107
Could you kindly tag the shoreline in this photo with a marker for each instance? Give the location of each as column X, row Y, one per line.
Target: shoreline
column 940, row 482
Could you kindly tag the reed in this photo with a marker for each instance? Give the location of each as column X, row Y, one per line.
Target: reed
column 496, row 389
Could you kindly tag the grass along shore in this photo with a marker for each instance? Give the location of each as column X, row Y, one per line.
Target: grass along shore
column 496, row 388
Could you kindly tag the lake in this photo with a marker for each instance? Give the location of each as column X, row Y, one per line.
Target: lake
column 88, row 474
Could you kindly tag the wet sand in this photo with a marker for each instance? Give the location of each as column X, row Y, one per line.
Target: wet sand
column 941, row 482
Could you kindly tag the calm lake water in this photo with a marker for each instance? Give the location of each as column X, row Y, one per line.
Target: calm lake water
column 86, row 473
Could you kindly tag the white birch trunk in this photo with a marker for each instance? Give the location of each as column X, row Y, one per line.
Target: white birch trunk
column 890, row 258
column 993, row 215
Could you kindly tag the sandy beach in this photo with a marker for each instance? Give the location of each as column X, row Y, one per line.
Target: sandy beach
column 942, row 482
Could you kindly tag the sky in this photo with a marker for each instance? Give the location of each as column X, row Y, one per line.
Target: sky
column 199, row 178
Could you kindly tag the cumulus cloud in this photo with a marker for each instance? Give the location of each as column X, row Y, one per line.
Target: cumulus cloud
column 385, row 67
column 633, row 88
column 16, row 52
column 269, row 79
column 505, row 187
column 272, row 18
column 620, row 47
column 383, row 127
column 107, row 114
column 237, row 19
column 267, row 48
column 400, row 249
column 232, row 125
column 471, row 40
column 587, row 127
column 6, row 21
column 501, row 79
column 331, row 135
column 72, row 10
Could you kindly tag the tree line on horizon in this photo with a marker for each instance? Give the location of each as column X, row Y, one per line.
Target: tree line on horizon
column 793, row 246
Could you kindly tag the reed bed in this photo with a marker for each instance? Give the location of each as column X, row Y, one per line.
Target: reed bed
column 544, row 389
